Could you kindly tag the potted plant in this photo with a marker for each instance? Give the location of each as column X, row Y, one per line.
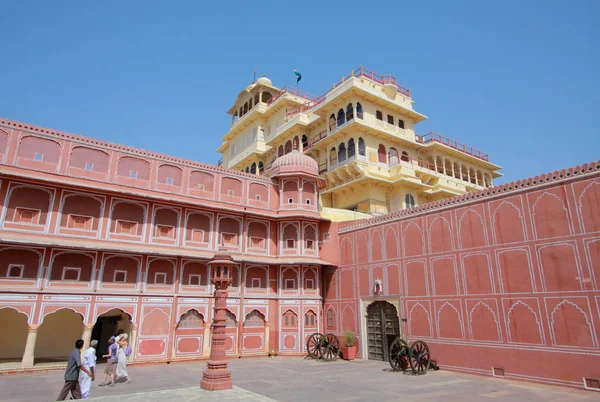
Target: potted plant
column 348, row 348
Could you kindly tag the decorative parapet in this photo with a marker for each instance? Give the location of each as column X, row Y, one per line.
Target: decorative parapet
column 341, row 215
column 557, row 176
column 125, row 149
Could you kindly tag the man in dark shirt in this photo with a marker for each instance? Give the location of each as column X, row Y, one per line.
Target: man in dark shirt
column 72, row 374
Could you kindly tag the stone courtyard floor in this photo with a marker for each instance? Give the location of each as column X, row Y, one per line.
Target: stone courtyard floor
column 293, row 379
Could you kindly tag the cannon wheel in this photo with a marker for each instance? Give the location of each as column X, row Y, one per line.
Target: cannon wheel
column 314, row 345
column 331, row 347
column 399, row 355
column 419, row 357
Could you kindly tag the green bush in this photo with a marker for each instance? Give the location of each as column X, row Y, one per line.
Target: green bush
column 349, row 339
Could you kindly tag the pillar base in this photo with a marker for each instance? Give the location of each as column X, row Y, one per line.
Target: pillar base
column 216, row 379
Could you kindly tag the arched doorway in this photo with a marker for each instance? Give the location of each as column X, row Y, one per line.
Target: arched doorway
column 383, row 326
column 57, row 335
column 14, row 335
column 107, row 324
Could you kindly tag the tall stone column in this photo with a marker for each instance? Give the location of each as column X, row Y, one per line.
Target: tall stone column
column 217, row 377
column 27, row 361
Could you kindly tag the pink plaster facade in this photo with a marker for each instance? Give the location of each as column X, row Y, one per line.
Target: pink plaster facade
column 492, row 280
column 92, row 227
column 500, row 282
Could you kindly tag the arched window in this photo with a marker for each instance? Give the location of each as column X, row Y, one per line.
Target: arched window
column 245, row 107
column 250, row 104
column 230, row 321
column 241, row 111
column 254, row 319
column 288, row 147
column 261, row 167
column 266, row 97
column 405, row 157
column 381, row 154
column 253, row 168
column 409, row 201
column 359, row 111
column 361, row 143
column 332, row 122
column 191, row 319
column 351, row 148
column 290, row 319
column 332, row 157
column 304, row 142
column 280, row 151
column 310, row 319
column 341, row 117
column 342, row 152
column 393, row 156
column 349, row 112
column 296, row 143
column 247, row 169
column 235, row 117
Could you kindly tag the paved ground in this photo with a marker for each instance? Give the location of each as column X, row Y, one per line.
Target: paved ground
column 295, row 379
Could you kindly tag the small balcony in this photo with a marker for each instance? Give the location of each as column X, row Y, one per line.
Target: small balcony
column 437, row 138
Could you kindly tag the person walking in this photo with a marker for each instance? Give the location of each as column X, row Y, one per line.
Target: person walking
column 109, row 370
column 72, row 374
column 89, row 362
column 123, row 353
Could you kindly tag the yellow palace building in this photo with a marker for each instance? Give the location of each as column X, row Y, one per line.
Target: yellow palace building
column 362, row 134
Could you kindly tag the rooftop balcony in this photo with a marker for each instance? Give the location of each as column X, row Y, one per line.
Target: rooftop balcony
column 437, row 138
column 360, row 72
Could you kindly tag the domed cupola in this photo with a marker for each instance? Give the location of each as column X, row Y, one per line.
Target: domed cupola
column 295, row 163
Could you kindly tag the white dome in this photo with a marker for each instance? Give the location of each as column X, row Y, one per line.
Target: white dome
column 264, row 81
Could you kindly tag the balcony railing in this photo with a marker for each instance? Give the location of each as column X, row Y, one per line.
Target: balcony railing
column 433, row 137
column 293, row 91
column 358, row 73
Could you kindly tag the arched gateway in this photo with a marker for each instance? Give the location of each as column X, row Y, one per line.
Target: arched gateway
column 383, row 326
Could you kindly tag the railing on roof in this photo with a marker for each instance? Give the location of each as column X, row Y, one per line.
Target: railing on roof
column 293, row 91
column 433, row 137
column 359, row 72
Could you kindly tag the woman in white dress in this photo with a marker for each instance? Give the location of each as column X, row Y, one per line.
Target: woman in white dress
column 121, row 371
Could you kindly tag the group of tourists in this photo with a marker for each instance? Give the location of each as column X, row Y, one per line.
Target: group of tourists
column 80, row 373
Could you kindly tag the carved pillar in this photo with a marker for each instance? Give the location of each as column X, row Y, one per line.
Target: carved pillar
column 206, row 340
column 217, row 376
column 27, row 361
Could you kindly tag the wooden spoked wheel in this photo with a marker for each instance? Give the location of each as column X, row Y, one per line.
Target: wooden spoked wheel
column 419, row 357
column 399, row 355
column 331, row 348
column 314, row 345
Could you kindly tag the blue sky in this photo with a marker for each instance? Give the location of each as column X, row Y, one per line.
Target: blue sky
column 516, row 79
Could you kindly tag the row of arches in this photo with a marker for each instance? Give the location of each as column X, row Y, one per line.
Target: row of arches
column 97, row 164
column 344, row 116
column 461, row 171
column 262, row 96
column 54, row 338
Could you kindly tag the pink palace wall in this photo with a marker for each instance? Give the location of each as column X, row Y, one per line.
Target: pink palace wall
column 87, row 227
column 508, row 277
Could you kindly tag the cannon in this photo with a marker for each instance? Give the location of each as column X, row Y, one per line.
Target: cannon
column 324, row 347
column 416, row 356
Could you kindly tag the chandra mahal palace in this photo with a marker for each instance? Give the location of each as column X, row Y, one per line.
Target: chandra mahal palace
column 339, row 217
